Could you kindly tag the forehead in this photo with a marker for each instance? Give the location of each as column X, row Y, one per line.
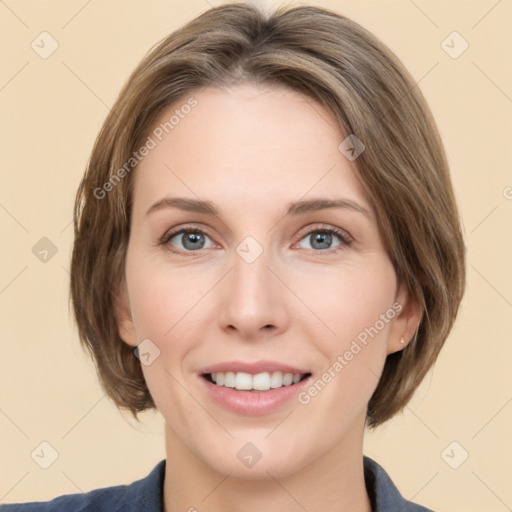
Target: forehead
column 259, row 144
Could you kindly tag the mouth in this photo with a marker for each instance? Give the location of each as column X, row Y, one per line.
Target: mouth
column 253, row 388
column 260, row 382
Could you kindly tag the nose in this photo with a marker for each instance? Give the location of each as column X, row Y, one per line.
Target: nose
column 254, row 301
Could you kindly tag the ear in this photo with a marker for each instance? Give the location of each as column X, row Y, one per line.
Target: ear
column 406, row 322
column 124, row 321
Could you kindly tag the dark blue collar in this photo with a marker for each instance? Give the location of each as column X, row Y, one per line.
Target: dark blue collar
column 384, row 496
column 147, row 494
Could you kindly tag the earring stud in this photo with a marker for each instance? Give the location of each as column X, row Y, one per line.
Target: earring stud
column 402, row 340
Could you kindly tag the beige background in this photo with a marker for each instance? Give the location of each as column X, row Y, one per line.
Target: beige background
column 51, row 110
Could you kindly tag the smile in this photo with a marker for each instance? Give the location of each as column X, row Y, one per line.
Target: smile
column 264, row 381
column 253, row 389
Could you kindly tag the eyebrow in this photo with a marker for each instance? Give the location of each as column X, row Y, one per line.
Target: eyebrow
column 294, row 208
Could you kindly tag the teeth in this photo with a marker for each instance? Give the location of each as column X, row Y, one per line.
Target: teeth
column 243, row 381
column 259, row 382
column 229, row 379
column 276, row 381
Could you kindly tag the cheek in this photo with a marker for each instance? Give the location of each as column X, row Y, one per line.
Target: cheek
column 354, row 306
column 350, row 299
column 163, row 298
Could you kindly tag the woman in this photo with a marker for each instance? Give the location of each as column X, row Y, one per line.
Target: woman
column 268, row 251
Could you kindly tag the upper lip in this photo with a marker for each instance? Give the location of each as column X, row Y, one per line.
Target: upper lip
column 252, row 368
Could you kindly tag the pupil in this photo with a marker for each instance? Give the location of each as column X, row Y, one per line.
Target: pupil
column 192, row 241
column 323, row 238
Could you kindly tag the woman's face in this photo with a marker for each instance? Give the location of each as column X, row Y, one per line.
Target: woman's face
column 270, row 285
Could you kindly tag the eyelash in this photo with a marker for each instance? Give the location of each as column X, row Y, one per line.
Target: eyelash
column 346, row 241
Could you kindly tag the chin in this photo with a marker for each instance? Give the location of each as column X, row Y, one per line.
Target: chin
column 262, row 470
column 244, row 461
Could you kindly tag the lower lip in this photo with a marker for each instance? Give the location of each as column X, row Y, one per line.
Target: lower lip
column 254, row 403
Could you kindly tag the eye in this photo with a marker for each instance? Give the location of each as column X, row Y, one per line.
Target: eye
column 190, row 239
column 321, row 239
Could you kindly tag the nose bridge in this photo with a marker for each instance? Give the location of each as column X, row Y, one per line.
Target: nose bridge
column 253, row 299
column 250, row 272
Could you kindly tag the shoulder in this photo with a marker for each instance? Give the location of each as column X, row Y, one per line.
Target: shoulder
column 97, row 500
column 144, row 494
column 384, row 495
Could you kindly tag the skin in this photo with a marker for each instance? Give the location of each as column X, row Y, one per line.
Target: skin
column 251, row 150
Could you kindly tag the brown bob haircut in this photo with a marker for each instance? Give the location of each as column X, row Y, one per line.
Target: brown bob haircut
column 403, row 170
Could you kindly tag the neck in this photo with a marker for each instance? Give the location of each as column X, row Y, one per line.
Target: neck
column 334, row 482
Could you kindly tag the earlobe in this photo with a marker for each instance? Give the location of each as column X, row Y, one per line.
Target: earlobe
column 406, row 323
column 124, row 321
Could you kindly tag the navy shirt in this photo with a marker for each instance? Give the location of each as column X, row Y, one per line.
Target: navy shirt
column 146, row 495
